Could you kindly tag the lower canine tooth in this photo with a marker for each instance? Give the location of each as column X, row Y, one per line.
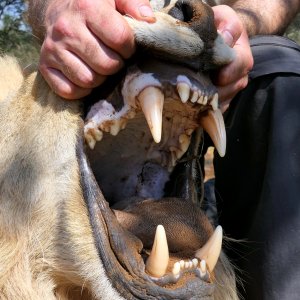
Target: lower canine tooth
column 158, row 259
column 184, row 91
column 210, row 252
column 152, row 100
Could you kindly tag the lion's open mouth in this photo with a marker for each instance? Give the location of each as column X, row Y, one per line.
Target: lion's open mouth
column 157, row 244
column 138, row 135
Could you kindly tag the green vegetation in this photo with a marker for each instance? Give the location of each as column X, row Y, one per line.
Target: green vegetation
column 293, row 32
column 15, row 35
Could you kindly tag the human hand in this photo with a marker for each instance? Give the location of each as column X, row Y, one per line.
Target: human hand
column 234, row 77
column 87, row 40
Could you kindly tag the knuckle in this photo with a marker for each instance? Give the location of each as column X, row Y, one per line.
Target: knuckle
column 62, row 27
column 122, row 36
column 48, row 46
column 110, row 66
column 85, row 5
column 242, row 83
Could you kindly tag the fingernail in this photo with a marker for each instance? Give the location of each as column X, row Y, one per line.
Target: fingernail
column 146, row 11
column 227, row 37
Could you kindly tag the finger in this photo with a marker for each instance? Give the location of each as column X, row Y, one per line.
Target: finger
column 228, row 24
column 138, row 9
column 86, row 46
column 61, row 85
column 228, row 92
column 240, row 67
column 110, row 27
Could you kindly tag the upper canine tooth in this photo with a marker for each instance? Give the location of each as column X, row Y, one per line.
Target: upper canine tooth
column 184, row 91
column 213, row 123
column 210, row 252
column 158, row 259
column 152, row 101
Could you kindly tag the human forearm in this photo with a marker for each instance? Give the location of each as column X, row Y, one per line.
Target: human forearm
column 265, row 17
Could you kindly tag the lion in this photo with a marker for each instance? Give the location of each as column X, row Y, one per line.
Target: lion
column 101, row 198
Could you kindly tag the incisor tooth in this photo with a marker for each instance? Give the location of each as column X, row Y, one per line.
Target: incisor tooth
column 158, row 259
column 203, row 266
column 210, row 252
column 98, row 134
column 213, row 123
column 152, row 101
column 90, row 140
column 200, row 100
column 194, row 97
column 215, row 101
column 176, row 268
column 195, row 262
column 181, row 264
column 184, row 91
column 115, row 128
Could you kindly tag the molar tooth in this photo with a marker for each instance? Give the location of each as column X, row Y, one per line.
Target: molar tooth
column 194, row 97
column 176, row 268
column 215, row 101
column 189, row 131
column 152, row 100
column 184, row 91
column 210, row 252
column 177, row 152
column 205, row 99
column 213, row 123
column 158, row 259
column 184, row 141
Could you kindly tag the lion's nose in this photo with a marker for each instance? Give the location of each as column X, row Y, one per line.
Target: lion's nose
column 183, row 10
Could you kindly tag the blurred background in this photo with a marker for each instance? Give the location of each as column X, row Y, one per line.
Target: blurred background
column 16, row 37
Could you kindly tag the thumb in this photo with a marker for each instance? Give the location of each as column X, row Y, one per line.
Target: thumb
column 138, row 9
column 228, row 24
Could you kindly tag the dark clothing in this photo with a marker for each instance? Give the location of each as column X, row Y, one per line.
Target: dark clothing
column 258, row 181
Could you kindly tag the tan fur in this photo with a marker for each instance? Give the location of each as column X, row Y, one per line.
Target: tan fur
column 43, row 254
